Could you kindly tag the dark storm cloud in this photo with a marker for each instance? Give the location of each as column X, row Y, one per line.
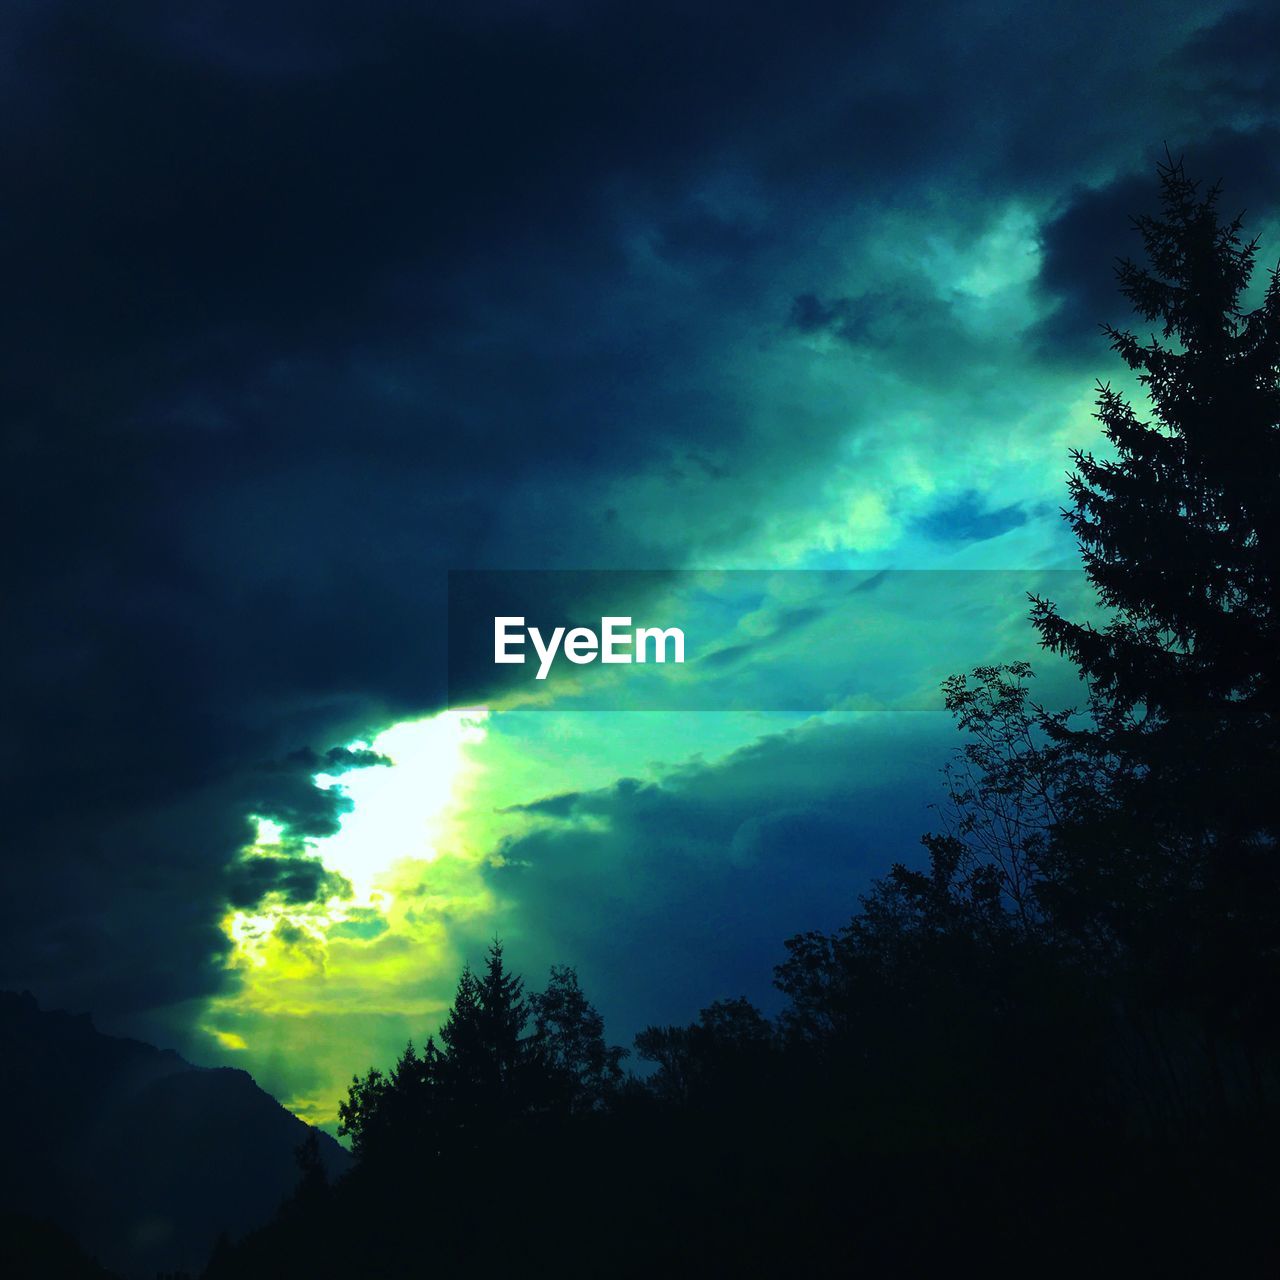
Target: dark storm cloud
column 285, row 793
column 296, row 880
column 878, row 317
column 1086, row 241
column 309, row 303
column 1082, row 247
column 341, row 759
column 561, row 806
column 669, row 894
column 967, row 519
column 1232, row 61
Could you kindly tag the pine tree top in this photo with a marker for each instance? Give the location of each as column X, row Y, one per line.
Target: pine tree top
column 1177, row 525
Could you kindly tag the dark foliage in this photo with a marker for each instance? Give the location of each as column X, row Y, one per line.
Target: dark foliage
column 1172, row 866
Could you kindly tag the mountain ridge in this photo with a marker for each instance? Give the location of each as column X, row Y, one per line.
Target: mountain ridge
column 143, row 1157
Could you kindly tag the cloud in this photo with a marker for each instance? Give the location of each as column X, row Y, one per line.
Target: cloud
column 308, row 306
column 1082, row 246
column 670, row 893
column 879, row 318
column 966, row 518
column 341, row 759
column 1093, row 230
column 295, row 879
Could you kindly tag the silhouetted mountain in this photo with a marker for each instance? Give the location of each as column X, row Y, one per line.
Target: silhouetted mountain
column 141, row 1156
column 35, row 1247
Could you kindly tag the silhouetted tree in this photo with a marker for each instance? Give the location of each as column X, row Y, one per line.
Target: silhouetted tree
column 1022, row 770
column 583, row 1070
column 1180, row 532
column 670, row 1050
column 489, row 1069
column 711, row 1062
column 488, row 1063
column 398, row 1112
column 313, row 1180
column 1179, row 529
column 360, row 1110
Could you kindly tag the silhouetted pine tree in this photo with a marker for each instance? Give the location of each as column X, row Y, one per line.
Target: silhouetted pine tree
column 488, row 1059
column 1180, row 533
column 401, row 1112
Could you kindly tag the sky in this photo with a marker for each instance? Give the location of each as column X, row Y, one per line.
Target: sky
column 310, row 304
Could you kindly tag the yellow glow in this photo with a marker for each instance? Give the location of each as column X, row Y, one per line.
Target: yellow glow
column 381, row 956
column 326, row 989
column 398, row 811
